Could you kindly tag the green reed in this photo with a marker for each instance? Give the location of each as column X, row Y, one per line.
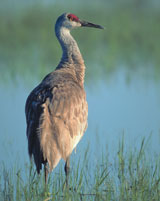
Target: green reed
column 131, row 175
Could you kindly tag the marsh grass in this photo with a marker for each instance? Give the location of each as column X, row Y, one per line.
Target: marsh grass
column 132, row 175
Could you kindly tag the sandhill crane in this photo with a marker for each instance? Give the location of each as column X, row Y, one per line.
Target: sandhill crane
column 56, row 110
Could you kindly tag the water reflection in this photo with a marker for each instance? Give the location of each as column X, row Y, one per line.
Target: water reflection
column 115, row 109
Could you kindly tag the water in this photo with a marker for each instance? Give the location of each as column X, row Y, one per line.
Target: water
column 116, row 109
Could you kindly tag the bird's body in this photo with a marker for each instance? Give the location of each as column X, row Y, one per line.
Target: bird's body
column 57, row 110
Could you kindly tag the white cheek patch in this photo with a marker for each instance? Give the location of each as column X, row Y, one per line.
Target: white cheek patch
column 76, row 24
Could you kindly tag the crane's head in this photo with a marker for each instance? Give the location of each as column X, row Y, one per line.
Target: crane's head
column 70, row 21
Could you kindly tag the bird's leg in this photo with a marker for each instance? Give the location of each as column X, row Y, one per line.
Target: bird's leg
column 45, row 172
column 67, row 169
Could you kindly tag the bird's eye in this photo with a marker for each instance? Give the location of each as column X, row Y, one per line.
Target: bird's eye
column 69, row 17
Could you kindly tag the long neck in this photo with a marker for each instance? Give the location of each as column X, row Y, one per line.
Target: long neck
column 71, row 57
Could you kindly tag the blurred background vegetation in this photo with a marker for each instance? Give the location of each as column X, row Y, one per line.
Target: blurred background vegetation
column 131, row 38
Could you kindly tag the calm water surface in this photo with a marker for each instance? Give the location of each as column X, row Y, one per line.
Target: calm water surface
column 116, row 109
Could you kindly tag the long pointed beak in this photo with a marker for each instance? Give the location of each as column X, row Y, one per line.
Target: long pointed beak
column 89, row 24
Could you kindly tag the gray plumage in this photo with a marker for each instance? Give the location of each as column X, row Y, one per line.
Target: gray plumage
column 56, row 110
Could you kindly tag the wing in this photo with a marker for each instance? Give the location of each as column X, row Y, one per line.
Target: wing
column 34, row 112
